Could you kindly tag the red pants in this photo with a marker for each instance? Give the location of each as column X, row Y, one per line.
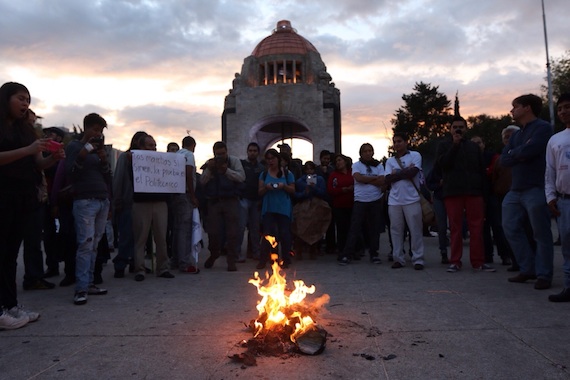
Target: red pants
column 473, row 209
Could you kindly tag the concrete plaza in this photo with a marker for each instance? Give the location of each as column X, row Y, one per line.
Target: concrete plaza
column 383, row 323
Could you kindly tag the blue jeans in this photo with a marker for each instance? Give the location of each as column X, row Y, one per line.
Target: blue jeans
column 564, row 229
column 517, row 205
column 250, row 215
column 182, row 232
column 90, row 219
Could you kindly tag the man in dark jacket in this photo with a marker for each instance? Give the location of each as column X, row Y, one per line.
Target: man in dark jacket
column 221, row 180
column 525, row 153
column 463, row 171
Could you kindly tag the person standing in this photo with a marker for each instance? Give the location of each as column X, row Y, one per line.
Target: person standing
column 463, row 172
column 88, row 168
column 221, row 180
column 404, row 207
column 150, row 212
column 276, row 185
column 324, row 170
column 368, row 174
column 557, row 188
column 250, row 214
column 20, row 154
column 123, row 206
column 340, row 187
column 183, row 208
column 525, row 154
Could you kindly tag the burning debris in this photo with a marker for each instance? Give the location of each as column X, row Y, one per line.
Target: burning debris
column 286, row 322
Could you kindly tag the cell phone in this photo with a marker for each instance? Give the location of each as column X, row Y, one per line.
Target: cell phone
column 54, row 146
column 97, row 140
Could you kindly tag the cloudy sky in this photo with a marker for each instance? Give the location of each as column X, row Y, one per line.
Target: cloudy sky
column 165, row 66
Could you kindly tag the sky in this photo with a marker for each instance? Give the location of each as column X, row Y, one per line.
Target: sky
column 165, row 66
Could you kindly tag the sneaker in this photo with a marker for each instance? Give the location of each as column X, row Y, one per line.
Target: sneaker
column 67, row 280
column 96, row 291
column 376, row 260
column 139, row 277
column 20, row 312
column 191, row 269
column 485, row 268
column 80, row 298
column 453, row 268
column 343, row 261
column 40, row 284
column 9, row 322
column 166, row 274
column 419, row 267
column 397, row 265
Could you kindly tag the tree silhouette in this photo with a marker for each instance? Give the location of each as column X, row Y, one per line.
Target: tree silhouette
column 425, row 115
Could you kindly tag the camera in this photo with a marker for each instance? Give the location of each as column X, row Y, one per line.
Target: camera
column 54, row 146
column 275, row 185
column 97, row 141
column 311, row 179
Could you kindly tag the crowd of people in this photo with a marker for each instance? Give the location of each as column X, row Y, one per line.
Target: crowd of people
column 285, row 209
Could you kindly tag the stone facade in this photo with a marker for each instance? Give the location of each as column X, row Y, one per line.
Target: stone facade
column 282, row 92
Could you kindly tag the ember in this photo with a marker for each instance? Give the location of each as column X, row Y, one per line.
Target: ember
column 286, row 322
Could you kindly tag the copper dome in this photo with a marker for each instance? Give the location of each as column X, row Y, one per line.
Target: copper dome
column 284, row 40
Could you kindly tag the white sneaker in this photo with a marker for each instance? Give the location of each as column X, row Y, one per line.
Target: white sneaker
column 19, row 311
column 9, row 322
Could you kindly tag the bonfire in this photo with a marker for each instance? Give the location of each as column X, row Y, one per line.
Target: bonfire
column 286, row 321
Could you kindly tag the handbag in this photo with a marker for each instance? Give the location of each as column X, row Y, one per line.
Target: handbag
column 428, row 215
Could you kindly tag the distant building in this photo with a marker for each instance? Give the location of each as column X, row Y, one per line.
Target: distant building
column 282, row 92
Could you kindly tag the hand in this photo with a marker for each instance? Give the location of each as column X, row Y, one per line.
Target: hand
column 222, row 167
column 58, row 154
column 211, row 164
column 554, row 208
column 40, row 145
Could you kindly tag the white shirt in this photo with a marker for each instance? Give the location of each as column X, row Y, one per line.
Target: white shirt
column 190, row 161
column 557, row 173
column 365, row 192
column 403, row 192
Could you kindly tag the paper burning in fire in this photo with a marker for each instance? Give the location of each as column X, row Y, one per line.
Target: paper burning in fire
column 287, row 320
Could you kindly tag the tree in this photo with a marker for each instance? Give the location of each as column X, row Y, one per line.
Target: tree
column 425, row 115
column 489, row 129
column 560, row 70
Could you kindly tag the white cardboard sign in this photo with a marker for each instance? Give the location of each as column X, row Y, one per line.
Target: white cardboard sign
column 157, row 172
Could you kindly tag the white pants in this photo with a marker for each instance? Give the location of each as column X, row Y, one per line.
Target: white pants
column 412, row 216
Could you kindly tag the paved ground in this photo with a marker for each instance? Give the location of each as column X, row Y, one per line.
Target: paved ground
column 413, row 324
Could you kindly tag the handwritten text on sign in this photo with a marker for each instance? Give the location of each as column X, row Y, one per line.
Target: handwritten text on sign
column 156, row 172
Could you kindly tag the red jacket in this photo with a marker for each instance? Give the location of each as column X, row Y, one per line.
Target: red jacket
column 337, row 181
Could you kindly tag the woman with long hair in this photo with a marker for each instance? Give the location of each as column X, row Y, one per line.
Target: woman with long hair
column 20, row 153
column 276, row 186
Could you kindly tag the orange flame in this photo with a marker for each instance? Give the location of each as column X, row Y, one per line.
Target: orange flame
column 278, row 308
